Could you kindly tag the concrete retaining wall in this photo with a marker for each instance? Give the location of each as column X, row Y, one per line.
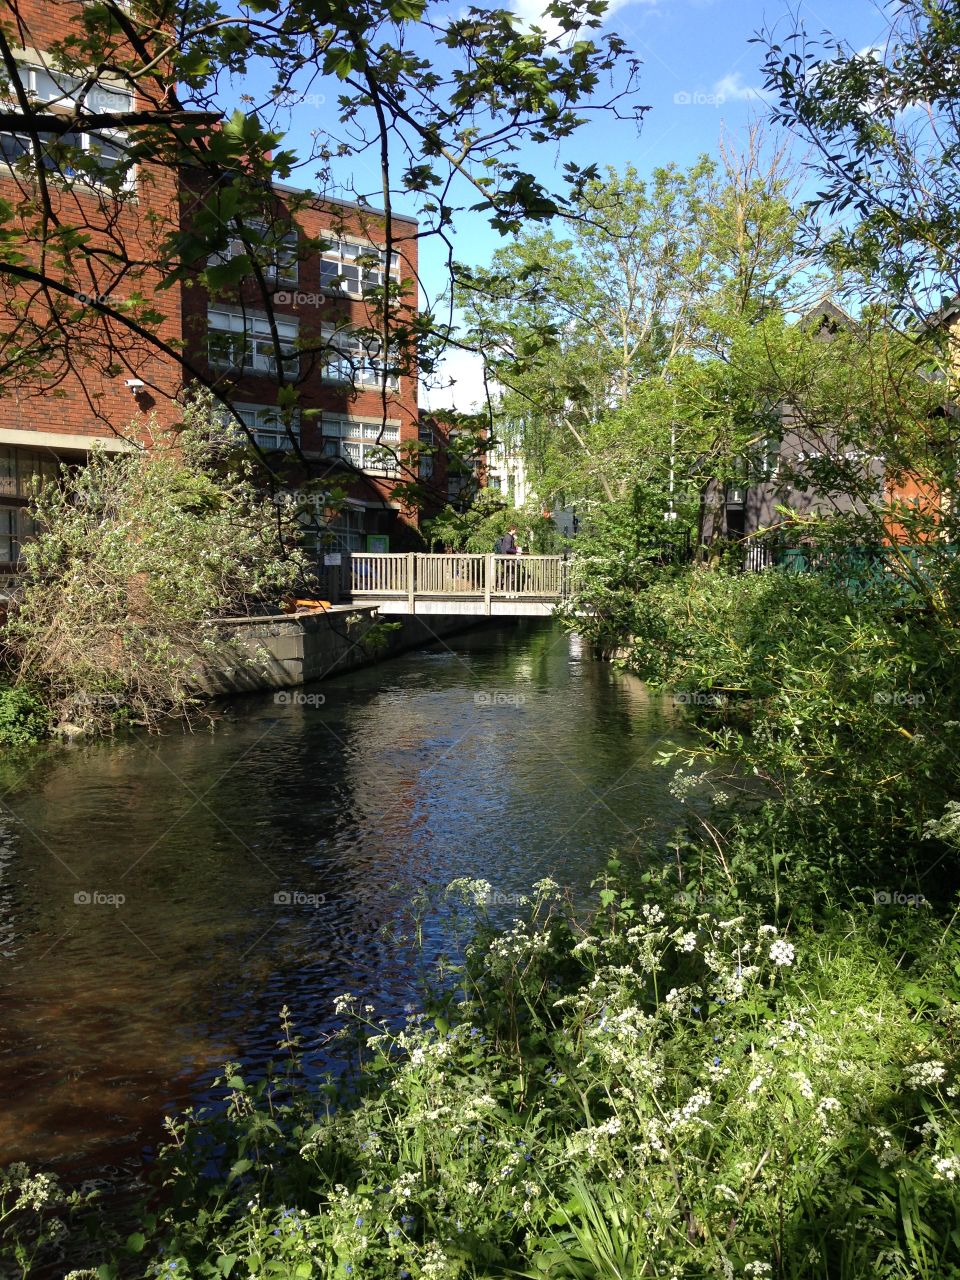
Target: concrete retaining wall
column 281, row 651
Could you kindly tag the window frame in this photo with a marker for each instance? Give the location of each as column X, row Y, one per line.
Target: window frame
column 355, row 439
column 62, row 104
column 254, row 361
column 348, row 361
column 271, row 439
column 338, row 282
column 283, row 270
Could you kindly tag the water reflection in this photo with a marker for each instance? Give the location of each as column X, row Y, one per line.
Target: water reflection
column 258, row 865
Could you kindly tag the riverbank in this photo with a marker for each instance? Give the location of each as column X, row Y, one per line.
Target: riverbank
column 672, row 1077
column 283, row 651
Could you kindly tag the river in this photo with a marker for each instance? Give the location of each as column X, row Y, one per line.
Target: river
column 162, row 898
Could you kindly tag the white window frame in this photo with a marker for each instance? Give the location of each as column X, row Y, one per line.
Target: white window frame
column 99, row 98
column 263, row 421
column 285, row 266
column 346, row 266
column 352, row 360
column 251, row 343
column 365, row 442
column 17, row 526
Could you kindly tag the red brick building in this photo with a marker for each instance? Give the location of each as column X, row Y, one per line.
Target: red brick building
column 295, row 324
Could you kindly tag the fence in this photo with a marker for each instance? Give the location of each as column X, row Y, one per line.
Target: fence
column 433, row 575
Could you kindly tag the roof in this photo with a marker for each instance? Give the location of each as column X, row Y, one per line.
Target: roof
column 345, row 204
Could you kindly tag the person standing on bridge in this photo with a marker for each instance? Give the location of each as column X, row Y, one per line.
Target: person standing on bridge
column 508, row 543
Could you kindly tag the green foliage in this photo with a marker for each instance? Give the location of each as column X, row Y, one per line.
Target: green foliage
column 134, row 555
column 377, row 639
column 33, row 1208
column 844, row 711
column 671, row 1075
column 24, row 719
column 585, row 332
column 883, row 129
column 477, row 527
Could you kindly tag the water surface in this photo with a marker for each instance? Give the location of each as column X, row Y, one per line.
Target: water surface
column 162, row 898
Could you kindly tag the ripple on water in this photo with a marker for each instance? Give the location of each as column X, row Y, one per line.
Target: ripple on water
column 109, row 1013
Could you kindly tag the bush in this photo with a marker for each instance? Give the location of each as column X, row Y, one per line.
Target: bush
column 842, row 715
column 133, row 554
column 23, row 717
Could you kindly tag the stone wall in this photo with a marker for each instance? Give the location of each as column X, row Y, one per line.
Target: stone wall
column 281, row 651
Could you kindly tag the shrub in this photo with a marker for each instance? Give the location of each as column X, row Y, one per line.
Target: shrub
column 133, row 554
column 843, row 715
column 23, row 717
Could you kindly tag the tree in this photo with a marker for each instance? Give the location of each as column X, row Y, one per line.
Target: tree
column 585, row 334
column 884, row 127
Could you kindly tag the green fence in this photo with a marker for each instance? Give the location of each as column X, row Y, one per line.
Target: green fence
column 903, row 572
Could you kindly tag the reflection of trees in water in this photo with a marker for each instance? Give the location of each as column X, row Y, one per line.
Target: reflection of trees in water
column 399, row 780
column 7, row 904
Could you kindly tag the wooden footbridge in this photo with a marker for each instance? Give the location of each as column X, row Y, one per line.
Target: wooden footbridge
column 453, row 584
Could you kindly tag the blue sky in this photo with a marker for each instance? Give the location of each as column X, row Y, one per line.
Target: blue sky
column 700, row 76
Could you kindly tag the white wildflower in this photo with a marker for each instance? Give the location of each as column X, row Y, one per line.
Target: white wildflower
column 924, row 1074
column 782, row 953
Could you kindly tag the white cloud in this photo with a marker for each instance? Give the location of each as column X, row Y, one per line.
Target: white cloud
column 531, row 13
column 732, row 89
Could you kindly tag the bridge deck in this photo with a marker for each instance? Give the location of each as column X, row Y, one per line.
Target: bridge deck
column 460, row 584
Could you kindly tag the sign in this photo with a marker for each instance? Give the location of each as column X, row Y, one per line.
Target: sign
column 379, row 542
column 331, row 558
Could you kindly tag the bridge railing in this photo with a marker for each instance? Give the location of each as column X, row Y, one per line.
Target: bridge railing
column 379, row 574
column 386, row 575
column 443, row 575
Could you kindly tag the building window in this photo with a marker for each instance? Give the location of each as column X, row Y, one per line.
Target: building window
column 769, row 457
column 369, row 446
column 345, row 532
column 276, row 249
column 265, row 422
column 425, row 454
column 354, row 359
column 16, row 527
column 351, row 267
column 244, row 342
column 107, row 149
column 19, row 467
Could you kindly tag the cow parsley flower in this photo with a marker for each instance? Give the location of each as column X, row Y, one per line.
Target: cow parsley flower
column 782, row 953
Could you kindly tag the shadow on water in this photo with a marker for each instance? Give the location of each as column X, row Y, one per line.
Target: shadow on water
column 161, row 899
